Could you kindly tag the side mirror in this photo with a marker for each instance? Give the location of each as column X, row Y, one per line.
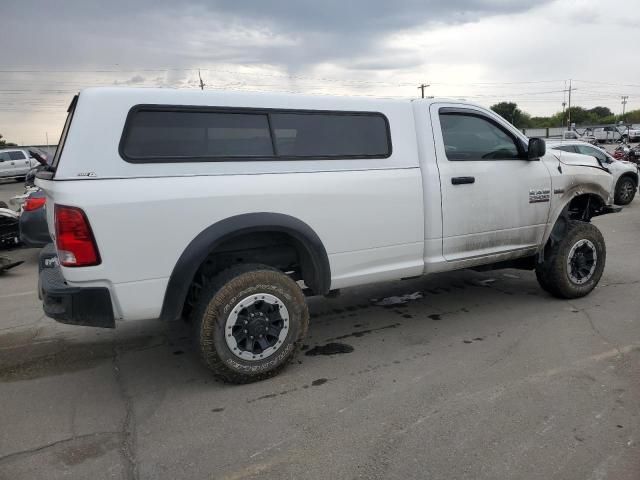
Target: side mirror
column 536, row 149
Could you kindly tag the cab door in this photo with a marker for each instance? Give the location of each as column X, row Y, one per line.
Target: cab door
column 494, row 200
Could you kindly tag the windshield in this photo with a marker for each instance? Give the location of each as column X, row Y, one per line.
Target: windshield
column 65, row 131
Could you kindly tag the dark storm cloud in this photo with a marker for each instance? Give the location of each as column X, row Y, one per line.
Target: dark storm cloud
column 294, row 34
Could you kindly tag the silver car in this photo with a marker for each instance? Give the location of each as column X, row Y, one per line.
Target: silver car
column 16, row 163
column 625, row 174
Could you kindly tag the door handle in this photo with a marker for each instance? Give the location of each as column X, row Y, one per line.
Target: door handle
column 462, row 180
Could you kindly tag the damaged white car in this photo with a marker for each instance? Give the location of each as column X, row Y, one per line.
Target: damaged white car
column 624, row 184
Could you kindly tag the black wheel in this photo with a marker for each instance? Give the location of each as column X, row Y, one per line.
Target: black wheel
column 3, row 205
column 19, row 179
column 625, row 191
column 249, row 322
column 573, row 267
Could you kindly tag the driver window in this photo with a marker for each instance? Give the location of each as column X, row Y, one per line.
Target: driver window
column 471, row 137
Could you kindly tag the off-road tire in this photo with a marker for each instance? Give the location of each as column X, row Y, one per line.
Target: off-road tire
column 622, row 195
column 553, row 273
column 216, row 302
column 542, row 279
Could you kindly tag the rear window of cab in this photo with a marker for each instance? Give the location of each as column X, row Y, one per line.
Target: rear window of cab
column 162, row 134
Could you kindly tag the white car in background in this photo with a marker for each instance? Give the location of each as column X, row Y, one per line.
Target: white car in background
column 16, row 163
column 625, row 174
column 632, row 134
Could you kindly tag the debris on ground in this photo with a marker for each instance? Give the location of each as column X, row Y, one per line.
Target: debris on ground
column 7, row 264
column 329, row 349
column 397, row 300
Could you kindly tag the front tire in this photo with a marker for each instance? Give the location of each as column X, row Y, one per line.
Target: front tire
column 249, row 323
column 573, row 267
column 625, row 191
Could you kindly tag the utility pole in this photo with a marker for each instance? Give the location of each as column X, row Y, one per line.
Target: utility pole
column 201, row 82
column 569, row 111
column 564, row 102
column 624, row 104
column 422, row 87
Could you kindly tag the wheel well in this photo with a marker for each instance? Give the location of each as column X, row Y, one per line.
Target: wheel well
column 584, row 207
column 633, row 176
column 277, row 249
column 278, row 240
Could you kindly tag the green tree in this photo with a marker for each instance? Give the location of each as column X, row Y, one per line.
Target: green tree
column 601, row 112
column 541, row 122
column 580, row 115
column 4, row 143
column 632, row 116
column 511, row 113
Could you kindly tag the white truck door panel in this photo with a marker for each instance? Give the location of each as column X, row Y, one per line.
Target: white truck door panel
column 493, row 199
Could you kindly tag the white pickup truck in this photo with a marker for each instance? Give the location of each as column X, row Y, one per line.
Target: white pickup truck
column 608, row 134
column 226, row 209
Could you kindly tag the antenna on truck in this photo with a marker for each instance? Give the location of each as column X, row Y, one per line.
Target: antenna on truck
column 202, row 84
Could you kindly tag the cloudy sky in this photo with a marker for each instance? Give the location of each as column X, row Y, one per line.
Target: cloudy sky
column 481, row 50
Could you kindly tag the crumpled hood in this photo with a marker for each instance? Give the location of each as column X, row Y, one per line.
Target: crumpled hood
column 622, row 166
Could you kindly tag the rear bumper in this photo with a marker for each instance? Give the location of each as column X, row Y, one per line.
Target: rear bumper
column 88, row 306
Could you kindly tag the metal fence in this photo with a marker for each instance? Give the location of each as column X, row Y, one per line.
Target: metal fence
column 544, row 132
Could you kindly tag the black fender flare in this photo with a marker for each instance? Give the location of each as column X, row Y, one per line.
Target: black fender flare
column 210, row 238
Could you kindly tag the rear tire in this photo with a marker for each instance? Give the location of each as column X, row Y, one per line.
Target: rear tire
column 249, row 322
column 625, row 191
column 573, row 267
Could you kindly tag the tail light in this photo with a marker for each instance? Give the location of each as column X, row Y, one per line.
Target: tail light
column 34, row 203
column 74, row 238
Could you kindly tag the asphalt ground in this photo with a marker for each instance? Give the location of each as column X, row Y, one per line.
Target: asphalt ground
column 473, row 376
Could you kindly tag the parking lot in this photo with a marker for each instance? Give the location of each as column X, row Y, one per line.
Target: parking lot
column 463, row 375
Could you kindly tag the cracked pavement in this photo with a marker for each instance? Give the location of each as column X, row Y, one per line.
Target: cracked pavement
column 481, row 376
